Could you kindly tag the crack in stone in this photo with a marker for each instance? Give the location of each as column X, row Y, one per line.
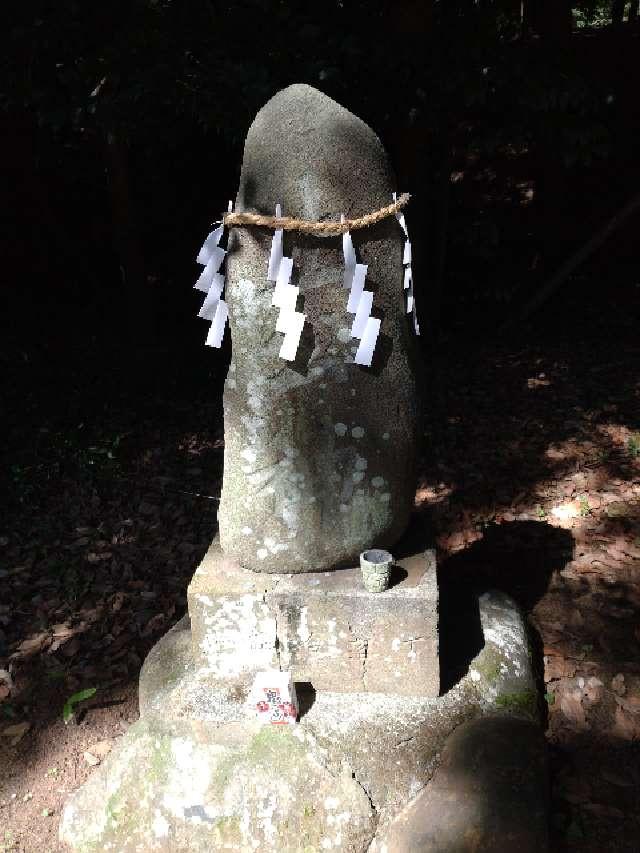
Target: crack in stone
column 365, row 654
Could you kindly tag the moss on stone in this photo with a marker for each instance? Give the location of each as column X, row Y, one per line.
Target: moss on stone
column 489, row 664
column 523, row 702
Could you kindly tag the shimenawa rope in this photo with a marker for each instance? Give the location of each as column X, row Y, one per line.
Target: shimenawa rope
column 321, row 229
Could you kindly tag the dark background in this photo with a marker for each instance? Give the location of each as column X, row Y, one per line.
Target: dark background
column 514, row 125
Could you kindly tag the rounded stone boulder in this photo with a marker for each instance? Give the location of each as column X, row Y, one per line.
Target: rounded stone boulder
column 319, row 452
column 489, row 794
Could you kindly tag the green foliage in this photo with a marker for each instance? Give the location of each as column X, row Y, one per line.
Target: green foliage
column 633, row 445
column 69, row 707
column 592, row 13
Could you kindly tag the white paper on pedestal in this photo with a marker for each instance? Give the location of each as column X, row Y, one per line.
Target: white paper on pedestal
column 362, row 314
column 230, row 206
column 209, row 272
column 408, row 277
column 213, row 297
column 357, row 286
column 287, row 306
column 211, row 243
column 276, row 250
column 364, row 355
column 295, row 324
column 272, row 698
column 216, row 332
column 282, row 280
column 406, row 258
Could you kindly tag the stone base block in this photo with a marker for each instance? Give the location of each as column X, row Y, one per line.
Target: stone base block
column 323, row 627
column 196, row 774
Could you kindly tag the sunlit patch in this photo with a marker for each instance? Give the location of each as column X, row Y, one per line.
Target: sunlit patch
column 432, row 494
column 565, row 512
column 539, row 381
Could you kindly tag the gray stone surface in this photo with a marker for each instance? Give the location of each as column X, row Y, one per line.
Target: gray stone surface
column 383, row 747
column 169, row 788
column 319, row 453
column 489, row 794
column 326, row 629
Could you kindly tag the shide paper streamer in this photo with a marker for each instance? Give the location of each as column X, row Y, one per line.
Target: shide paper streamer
column 360, row 303
column 290, row 322
column 408, row 273
column 211, row 282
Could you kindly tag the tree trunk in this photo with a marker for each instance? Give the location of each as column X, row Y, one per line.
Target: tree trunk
column 617, row 12
column 634, row 11
column 127, row 243
column 550, row 19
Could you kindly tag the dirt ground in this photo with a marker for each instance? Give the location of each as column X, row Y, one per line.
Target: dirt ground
column 529, row 482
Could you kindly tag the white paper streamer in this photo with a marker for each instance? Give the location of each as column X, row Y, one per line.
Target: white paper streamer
column 276, row 250
column 408, row 277
column 216, row 332
column 364, row 355
column 287, row 306
column 213, row 297
column 210, row 271
column 410, row 299
column 349, row 254
column 211, row 243
column 406, row 258
column 282, row 281
column 295, row 324
column 401, row 219
column 416, row 325
column 357, row 286
column 362, row 314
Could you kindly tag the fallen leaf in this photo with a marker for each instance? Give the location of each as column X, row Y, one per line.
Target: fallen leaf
column 91, row 759
column 32, row 645
column 617, row 684
column 16, row 732
column 626, row 725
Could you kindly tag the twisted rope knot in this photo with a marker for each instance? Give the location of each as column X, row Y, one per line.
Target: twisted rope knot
column 321, row 229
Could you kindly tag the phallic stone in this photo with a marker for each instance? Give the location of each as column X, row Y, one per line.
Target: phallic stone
column 320, row 452
column 489, row 793
column 324, row 629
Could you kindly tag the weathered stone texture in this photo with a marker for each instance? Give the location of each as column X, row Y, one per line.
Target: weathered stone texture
column 169, row 788
column 324, row 628
column 183, row 778
column 319, row 453
column 488, row 794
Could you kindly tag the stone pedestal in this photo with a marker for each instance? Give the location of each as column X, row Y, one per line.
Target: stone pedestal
column 197, row 774
column 324, row 627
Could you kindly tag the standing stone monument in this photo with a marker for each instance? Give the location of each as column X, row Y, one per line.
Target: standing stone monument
column 320, row 449
column 320, row 455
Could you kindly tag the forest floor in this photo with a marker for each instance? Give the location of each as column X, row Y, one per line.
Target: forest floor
column 530, row 482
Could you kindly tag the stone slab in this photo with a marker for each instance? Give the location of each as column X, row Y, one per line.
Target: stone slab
column 323, row 627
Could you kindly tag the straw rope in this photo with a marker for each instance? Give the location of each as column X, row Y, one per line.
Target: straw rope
column 321, row 229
